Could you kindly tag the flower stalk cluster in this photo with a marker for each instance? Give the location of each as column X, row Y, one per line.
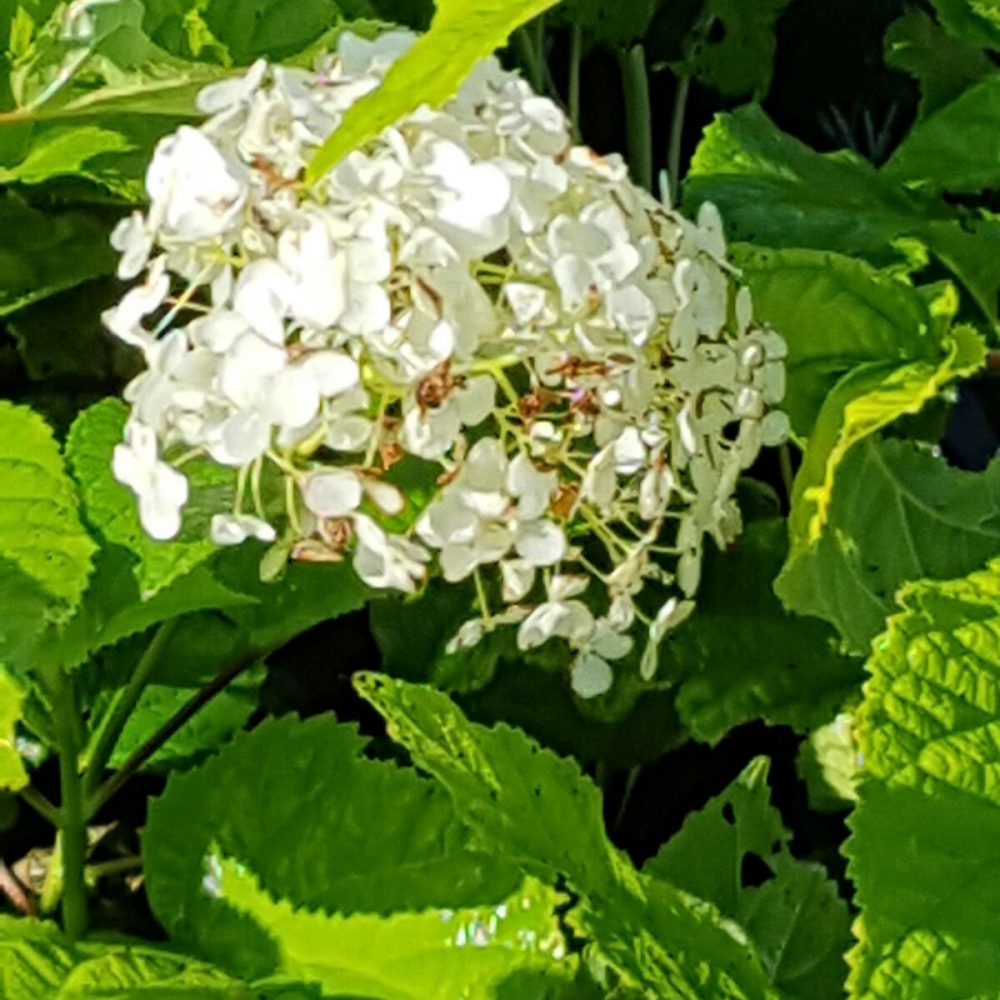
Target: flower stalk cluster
column 568, row 365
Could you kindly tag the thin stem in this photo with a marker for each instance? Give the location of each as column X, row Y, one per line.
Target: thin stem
column 34, row 798
column 528, row 56
column 573, row 87
column 787, row 473
column 638, row 114
column 123, row 705
column 187, row 711
column 677, row 137
column 72, row 820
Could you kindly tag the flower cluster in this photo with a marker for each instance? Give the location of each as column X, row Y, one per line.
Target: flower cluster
column 568, row 365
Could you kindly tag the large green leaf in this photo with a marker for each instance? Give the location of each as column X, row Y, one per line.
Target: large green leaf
column 607, row 22
column 773, row 190
column 923, row 851
column 956, row 149
column 865, row 401
column 976, row 21
column 944, row 65
column 538, row 809
column 12, row 773
column 742, row 656
column 897, row 513
column 63, row 151
column 430, row 73
column 40, row 529
column 835, row 313
column 795, row 917
column 431, row 955
column 112, row 509
column 736, row 53
column 36, row 961
column 299, row 806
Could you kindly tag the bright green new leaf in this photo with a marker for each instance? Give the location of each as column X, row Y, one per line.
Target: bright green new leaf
column 775, row 191
column 828, row 764
column 37, row 962
column 923, row 850
column 956, row 149
column 40, row 529
column 12, row 773
column 539, row 810
column 932, row 521
column 298, row 804
column 794, row 916
column 945, row 66
column 430, row 955
column 430, row 73
column 736, row 54
column 863, row 402
column 975, row 21
column 743, row 657
column 112, row 509
column 835, row 314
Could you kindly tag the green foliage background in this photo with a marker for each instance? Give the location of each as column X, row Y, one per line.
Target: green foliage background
column 342, row 809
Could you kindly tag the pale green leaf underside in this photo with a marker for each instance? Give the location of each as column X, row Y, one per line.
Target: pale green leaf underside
column 923, row 851
column 40, row 528
column 538, row 809
column 430, row 73
column 431, row 955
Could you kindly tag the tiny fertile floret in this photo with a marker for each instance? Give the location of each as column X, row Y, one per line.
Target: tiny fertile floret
column 567, row 368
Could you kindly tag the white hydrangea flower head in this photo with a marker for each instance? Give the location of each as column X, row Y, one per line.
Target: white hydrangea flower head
column 568, row 367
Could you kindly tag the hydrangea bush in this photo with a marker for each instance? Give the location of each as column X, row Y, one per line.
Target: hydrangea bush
column 571, row 365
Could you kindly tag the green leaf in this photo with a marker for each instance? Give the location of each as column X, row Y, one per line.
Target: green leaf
column 897, row 513
column 12, row 773
column 25, row 618
column 795, row 918
column 775, row 191
column 297, row 804
column 42, row 253
column 835, row 314
column 974, row 21
column 828, row 764
column 463, row 952
column 742, row 656
column 538, row 809
column 865, row 401
column 40, row 528
column 606, row 22
column 112, row 509
column 64, row 151
column 37, row 961
column 430, row 73
column 740, row 62
column 223, row 716
column 923, row 845
column 944, row 65
column 956, row 149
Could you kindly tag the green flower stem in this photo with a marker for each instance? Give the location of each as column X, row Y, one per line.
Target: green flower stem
column 638, row 114
column 72, row 820
column 677, row 137
column 33, row 797
column 180, row 718
column 122, row 706
column 573, row 86
column 527, row 54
